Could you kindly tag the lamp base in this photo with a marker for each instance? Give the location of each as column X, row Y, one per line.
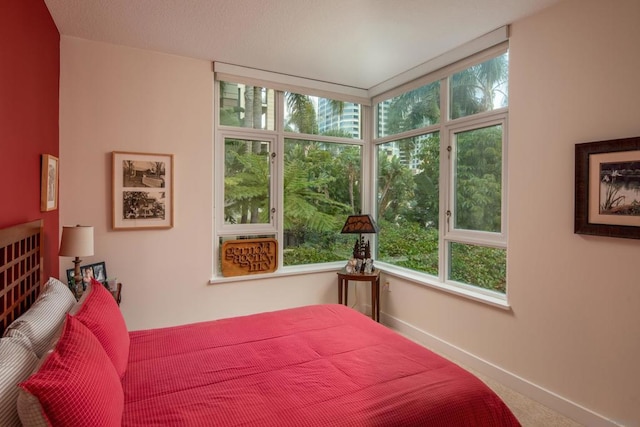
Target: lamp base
column 78, row 289
column 362, row 256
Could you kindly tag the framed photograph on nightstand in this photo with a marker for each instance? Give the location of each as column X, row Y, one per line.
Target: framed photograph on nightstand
column 96, row 271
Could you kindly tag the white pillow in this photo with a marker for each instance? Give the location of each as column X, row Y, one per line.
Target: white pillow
column 45, row 317
column 17, row 361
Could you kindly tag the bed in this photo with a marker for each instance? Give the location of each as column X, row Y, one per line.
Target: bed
column 319, row 365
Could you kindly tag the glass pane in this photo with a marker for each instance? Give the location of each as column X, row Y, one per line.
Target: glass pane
column 478, row 179
column 247, row 175
column 408, row 202
column 483, row 87
column 411, row 110
column 322, row 186
column 479, row 266
column 321, row 116
column 246, row 106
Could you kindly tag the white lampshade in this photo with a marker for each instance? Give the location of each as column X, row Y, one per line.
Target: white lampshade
column 76, row 241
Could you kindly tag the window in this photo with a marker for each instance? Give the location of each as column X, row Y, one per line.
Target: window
column 441, row 192
column 289, row 166
column 247, row 178
column 321, row 188
column 428, row 161
column 246, row 106
column 408, row 204
column 414, row 109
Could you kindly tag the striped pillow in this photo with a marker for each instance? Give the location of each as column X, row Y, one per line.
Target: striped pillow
column 76, row 385
column 101, row 315
column 45, row 317
column 17, row 361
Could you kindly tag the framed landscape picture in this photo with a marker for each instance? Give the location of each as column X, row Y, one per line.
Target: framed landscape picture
column 607, row 188
column 49, row 183
column 142, row 191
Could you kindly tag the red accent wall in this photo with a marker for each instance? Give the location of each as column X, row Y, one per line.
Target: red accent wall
column 29, row 87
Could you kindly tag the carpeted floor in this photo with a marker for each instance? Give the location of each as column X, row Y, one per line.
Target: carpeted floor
column 529, row 412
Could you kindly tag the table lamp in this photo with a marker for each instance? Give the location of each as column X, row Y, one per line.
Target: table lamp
column 76, row 242
column 361, row 224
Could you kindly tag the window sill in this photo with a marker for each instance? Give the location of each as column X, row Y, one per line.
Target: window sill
column 295, row 270
column 494, row 299
column 487, row 297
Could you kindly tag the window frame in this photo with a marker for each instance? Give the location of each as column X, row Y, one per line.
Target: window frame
column 369, row 151
column 475, row 236
column 276, row 138
column 262, row 228
column 447, row 128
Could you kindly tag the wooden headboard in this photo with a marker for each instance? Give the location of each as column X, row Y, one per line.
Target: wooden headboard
column 20, row 269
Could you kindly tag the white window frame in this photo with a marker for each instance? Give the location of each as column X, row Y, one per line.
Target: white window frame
column 277, row 138
column 472, row 237
column 447, row 128
column 479, row 237
column 264, row 228
column 486, row 47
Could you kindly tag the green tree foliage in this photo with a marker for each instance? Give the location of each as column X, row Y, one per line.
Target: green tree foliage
column 409, row 211
column 409, row 244
column 478, row 179
column 319, row 189
column 475, row 89
column 309, row 200
column 246, row 182
column 481, row 266
column 427, row 184
column 395, row 188
column 414, row 109
column 303, row 114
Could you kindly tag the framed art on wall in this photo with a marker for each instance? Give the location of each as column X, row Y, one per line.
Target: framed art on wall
column 49, row 183
column 142, row 190
column 607, row 188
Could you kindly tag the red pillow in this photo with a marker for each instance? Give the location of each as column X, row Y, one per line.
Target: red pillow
column 101, row 315
column 76, row 384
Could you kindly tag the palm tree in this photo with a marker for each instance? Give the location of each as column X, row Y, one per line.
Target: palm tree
column 473, row 90
column 395, row 186
column 303, row 114
column 414, row 109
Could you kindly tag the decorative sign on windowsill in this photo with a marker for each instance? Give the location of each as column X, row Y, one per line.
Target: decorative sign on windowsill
column 251, row 256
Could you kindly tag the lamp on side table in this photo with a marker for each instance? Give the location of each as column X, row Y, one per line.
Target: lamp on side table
column 76, row 242
column 361, row 224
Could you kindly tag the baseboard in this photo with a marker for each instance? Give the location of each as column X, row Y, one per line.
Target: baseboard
column 546, row 397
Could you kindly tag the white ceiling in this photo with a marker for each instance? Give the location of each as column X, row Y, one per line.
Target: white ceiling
column 358, row 43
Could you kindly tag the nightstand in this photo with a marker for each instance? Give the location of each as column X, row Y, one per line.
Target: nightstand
column 373, row 278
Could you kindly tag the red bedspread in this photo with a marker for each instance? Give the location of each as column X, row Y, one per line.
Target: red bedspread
column 324, row 365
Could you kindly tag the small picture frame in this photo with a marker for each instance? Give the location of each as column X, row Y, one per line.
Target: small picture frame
column 607, row 188
column 49, row 183
column 142, row 191
column 96, row 271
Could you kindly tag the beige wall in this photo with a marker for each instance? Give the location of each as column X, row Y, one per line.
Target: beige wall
column 576, row 298
column 575, row 325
